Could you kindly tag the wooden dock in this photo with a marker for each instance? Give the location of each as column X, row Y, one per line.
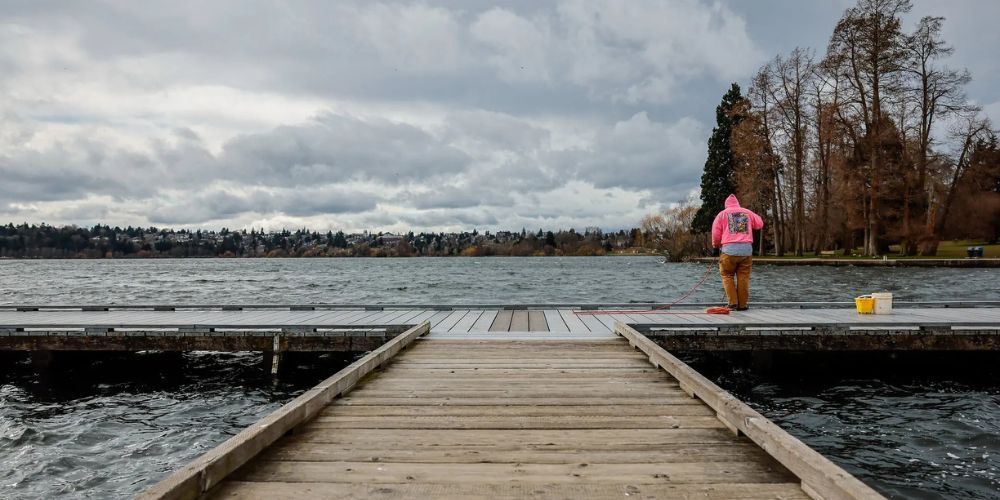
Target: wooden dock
column 787, row 326
column 507, row 401
column 608, row 417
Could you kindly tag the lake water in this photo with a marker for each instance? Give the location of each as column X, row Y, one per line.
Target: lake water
column 107, row 428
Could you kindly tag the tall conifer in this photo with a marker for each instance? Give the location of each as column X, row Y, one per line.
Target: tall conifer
column 717, row 182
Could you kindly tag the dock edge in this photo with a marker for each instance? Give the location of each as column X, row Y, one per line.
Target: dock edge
column 208, row 470
column 820, row 478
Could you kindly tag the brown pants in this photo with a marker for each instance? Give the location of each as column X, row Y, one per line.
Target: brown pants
column 738, row 290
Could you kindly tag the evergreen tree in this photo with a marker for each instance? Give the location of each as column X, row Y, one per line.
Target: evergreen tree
column 717, row 182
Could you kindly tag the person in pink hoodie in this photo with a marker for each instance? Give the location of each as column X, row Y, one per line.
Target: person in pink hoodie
column 732, row 230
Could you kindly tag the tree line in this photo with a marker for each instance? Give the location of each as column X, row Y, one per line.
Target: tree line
column 872, row 144
column 102, row 241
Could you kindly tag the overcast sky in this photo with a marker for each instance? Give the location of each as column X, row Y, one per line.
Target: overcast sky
column 437, row 115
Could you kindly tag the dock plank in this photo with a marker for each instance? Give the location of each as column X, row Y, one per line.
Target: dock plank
column 451, row 320
column 485, row 321
column 386, row 472
column 573, row 321
column 477, row 418
column 502, row 321
column 554, row 321
column 537, row 321
column 509, row 491
column 593, row 323
column 519, row 321
column 465, row 324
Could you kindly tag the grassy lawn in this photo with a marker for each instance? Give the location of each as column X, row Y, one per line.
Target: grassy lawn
column 956, row 249
column 946, row 250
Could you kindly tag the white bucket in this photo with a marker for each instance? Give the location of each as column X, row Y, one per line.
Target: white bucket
column 883, row 303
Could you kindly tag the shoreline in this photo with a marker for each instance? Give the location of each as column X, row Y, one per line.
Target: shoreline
column 264, row 257
column 919, row 262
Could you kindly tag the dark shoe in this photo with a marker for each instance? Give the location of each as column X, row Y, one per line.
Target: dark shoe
column 731, row 306
column 742, row 308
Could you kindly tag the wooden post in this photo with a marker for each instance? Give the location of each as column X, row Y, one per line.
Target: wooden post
column 276, row 354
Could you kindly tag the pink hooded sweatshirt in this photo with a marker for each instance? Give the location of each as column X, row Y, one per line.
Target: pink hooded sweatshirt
column 734, row 224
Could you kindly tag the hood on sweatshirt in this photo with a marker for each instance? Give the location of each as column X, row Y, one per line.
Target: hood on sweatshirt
column 732, row 202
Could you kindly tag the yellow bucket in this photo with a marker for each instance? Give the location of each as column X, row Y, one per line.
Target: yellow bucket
column 865, row 304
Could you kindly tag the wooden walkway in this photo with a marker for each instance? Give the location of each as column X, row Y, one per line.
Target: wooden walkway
column 462, row 321
column 314, row 329
column 587, row 418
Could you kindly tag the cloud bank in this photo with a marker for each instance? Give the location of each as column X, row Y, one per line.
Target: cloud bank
column 437, row 115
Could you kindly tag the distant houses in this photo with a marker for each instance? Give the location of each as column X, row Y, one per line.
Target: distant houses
column 101, row 241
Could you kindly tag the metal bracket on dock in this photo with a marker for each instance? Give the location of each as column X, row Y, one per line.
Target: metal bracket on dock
column 298, row 331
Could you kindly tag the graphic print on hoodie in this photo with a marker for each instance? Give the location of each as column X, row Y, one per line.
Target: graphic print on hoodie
column 739, row 223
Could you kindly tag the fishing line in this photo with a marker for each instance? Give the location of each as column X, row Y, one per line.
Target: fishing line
column 661, row 309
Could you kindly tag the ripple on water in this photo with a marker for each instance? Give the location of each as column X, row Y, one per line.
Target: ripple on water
column 112, row 435
column 906, row 440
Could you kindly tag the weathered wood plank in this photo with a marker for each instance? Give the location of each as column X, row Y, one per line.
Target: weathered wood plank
column 423, row 316
column 573, row 321
column 438, row 318
column 485, row 320
column 678, row 397
column 519, row 422
column 378, row 472
column 502, row 321
column 519, row 321
column 238, row 490
column 320, row 452
column 690, row 408
column 593, row 323
column 465, row 324
column 560, row 439
column 451, row 320
column 524, row 386
column 447, row 374
column 554, row 321
column 439, row 363
column 521, row 390
column 537, row 321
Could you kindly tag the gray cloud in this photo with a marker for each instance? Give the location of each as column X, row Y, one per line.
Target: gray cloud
column 338, row 148
column 379, row 114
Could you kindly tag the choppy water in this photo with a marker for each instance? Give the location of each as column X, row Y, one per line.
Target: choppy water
column 110, row 427
column 911, row 425
column 456, row 281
